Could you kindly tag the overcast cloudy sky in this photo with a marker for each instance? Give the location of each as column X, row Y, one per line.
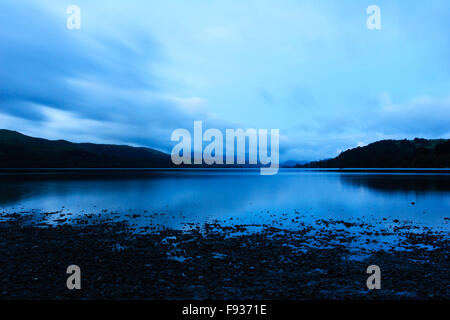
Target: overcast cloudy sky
column 136, row 70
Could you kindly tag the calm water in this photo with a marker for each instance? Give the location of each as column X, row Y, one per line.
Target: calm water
column 172, row 198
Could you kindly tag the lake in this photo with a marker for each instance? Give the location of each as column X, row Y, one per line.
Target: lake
column 172, row 198
column 225, row 234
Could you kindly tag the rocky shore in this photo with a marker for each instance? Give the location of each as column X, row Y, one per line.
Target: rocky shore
column 214, row 261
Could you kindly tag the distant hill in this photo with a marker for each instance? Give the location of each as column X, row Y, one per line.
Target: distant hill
column 20, row 151
column 417, row 153
column 292, row 163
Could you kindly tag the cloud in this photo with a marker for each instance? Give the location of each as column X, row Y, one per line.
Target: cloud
column 303, row 97
column 61, row 83
column 136, row 71
column 267, row 96
column 423, row 116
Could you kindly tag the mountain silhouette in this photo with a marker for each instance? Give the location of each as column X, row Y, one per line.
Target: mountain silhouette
column 21, row 151
column 417, row 153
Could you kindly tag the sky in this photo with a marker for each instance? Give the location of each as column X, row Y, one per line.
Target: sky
column 137, row 70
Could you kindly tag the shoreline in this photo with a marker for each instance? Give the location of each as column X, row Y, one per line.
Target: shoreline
column 219, row 169
column 217, row 262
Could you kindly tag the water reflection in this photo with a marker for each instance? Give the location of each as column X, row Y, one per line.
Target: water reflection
column 399, row 182
column 197, row 196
